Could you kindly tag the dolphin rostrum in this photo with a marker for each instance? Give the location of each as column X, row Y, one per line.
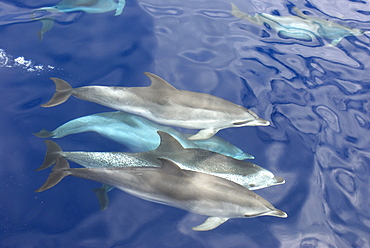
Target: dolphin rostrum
column 162, row 103
column 138, row 134
column 301, row 26
column 242, row 172
column 192, row 191
column 88, row 6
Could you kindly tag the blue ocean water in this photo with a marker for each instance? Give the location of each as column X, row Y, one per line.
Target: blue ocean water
column 315, row 96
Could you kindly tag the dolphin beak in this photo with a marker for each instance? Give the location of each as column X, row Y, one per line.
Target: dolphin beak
column 258, row 122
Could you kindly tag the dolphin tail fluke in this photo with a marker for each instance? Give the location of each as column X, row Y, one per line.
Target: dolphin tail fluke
column 44, row 134
column 63, row 92
column 60, row 171
column 204, row 134
column 210, row 223
column 102, row 195
column 52, row 154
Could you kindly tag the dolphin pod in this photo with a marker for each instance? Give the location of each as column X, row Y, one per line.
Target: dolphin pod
column 192, row 191
column 162, row 103
column 88, row 6
column 301, row 26
column 247, row 174
column 138, row 134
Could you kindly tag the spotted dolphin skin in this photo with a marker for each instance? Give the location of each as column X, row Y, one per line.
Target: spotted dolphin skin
column 301, row 26
column 247, row 174
column 192, row 191
column 138, row 134
column 162, row 103
column 88, row 6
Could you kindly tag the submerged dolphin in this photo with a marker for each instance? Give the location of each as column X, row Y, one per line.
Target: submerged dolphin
column 88, row 6
column 138, row 133
column 164, row 104
column 301, row 26
column 242, row 172
column 192, row 191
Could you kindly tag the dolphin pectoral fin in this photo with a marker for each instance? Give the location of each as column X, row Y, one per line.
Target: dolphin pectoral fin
column 52, row 154
column 63, row 92
column 159, row 83
column 47, row 24
column 59, row 172
column 102, row 195
column 121, row 5
column 210, row 223
column 204, row 134
column 44, row 134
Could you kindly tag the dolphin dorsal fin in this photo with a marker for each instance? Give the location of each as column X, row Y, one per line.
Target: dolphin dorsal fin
column 298, row 12
column 171, row 167
column 158, row 83
column 168, row 143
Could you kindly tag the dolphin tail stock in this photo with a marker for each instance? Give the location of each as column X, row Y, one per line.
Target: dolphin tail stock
column 63, row 92
column 44, row 134
column 52, row 154
column 210, row 223
column 102, row 195
column 60, row 170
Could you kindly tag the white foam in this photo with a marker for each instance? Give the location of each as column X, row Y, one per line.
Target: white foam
column 28, row 65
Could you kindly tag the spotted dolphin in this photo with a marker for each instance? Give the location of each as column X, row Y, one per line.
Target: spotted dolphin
column 164, row 104
column 196, row 192
column 138, row 134
column 301, row 26
column 247, row 174
column 88, row 6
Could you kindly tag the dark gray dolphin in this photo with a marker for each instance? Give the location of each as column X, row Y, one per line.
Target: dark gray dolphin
column 88, row 6
column 162, row 103
column 192, row 191
column 242, row 172
column 301, row 26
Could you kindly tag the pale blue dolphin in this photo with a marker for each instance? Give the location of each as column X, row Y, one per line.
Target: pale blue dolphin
column 88, row 6
column 138, row 134
column 301, row 26
column 242, row 172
